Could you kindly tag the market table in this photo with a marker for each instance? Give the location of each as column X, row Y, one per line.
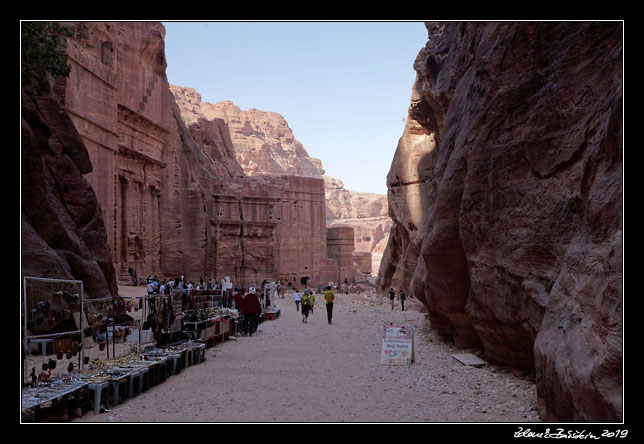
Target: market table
column 198, row 353
column 96, row 395
column 153, row 368
column 176, row 362
column 116, row 382
column 35, row 397
column 135, row 372
column 163, row 367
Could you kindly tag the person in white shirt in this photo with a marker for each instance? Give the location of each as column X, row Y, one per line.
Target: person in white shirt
column 297, row 297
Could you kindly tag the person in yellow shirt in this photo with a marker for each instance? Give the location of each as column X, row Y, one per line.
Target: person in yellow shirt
column 311, row 301
column 329, row 296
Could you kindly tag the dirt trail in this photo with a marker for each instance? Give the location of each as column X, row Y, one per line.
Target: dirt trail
column 315, row 372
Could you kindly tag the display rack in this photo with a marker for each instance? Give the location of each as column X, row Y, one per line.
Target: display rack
column 39, row 292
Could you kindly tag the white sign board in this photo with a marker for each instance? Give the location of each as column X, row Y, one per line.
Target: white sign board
column 397, row 345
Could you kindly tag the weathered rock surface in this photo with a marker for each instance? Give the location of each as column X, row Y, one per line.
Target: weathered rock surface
column 370, row 235
column 176, row 200
column 262, row 140
column 346, row 204
column 264, row 145
column 506, row 196
column 62, row 231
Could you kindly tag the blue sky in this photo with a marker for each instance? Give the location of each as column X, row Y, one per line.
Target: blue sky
column 343, row 87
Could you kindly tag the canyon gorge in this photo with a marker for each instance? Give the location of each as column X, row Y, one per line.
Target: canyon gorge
column 506, row 195
column 264, row 145
column 503, row 216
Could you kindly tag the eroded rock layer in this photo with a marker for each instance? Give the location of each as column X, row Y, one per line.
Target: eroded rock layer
column 264, row 145
column 176, row 201
column 506, row 196
column 62, row 230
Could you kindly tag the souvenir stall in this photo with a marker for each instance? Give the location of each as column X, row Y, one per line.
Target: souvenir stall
column 207, row 316
column 158, row 318
column 87, row 354
column 52, row 339
column 76, row 356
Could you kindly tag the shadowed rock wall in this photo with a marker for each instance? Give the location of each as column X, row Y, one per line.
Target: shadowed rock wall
column 62, row 231
column 506, row 196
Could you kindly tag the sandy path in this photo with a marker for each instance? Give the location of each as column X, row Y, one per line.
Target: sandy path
column 316, row 372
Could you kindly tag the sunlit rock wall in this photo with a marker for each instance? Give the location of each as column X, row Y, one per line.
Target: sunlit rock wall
column 506, row 196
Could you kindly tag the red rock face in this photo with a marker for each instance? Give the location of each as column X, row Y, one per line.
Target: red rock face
column 264, row 145
column 505, row 192
column 62, row 234
column 176, row 201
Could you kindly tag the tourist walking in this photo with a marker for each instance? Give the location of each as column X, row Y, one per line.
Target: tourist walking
column 297, row 297
column 251, row 309
column 311, row 301
column 329, row 296
column 305, row 307
column 392, row 296
column 401, row 295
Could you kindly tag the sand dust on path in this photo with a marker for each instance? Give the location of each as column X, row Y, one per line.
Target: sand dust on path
column 292, row 371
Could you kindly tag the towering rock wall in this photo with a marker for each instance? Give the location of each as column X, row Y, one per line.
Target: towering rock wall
column 264, row 145
column 62, row 226
column 262, row 140
column 506, row 196
column 117, row 98
column 176, row 200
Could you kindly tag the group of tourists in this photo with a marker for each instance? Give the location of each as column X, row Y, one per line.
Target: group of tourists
column 307, row 300
column 249, row 303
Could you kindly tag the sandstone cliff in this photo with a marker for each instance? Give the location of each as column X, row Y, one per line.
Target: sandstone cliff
column 176, row 201
column 262, row 140
column 62, row 230
column 264, row 145
column 506, row 196
column 345, row 204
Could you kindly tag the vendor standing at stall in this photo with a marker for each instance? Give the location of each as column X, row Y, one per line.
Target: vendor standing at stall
column 238, row 298
column 251, row 309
